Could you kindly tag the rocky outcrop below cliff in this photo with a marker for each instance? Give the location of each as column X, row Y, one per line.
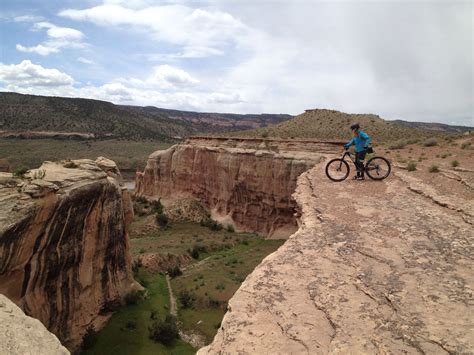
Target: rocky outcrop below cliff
column 20, row 334
column 64, row 249
column 375, row 268
column 246, row 183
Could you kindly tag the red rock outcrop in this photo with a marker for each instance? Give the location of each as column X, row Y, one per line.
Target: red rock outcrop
column 388, row 273
column 64, row 249
column 244, row 182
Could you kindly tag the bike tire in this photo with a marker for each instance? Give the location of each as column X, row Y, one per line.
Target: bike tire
column 370, row 173
column 342, row 162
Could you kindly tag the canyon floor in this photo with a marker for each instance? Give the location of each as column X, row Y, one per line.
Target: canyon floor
column 376, row 267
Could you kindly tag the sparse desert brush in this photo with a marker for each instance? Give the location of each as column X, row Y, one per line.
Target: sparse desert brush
column 20, row 172
column 433, row 169
column 430, row 142
column 466, row 145
column 454, row 163
column 411, row 166
column 400, row 144
column 69, row 164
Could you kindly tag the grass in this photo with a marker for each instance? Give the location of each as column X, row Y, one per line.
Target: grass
column 120, row 337
column 433, row 169
column 216, row 278
column 30, row 153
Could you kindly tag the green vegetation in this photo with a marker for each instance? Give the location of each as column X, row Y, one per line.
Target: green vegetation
column 32, row 152
column 20, row 172
column 216, row 277
column 411, row 166
column 454, row 163
column 433, row 169
column 130, row 328
column 165, row 332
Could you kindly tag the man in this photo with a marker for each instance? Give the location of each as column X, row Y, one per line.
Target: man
column 361, row 140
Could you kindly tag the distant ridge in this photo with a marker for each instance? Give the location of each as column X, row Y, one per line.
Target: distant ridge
column 330, row 124
column 101, row 119
column 434, row 126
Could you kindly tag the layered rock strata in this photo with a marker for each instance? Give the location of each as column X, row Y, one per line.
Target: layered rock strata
column 64, row 249
column 246, row 183
column 375, row 268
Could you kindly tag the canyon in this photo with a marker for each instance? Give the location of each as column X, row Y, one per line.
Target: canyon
column 375, row 267
column 246, row 183
column 64, row 244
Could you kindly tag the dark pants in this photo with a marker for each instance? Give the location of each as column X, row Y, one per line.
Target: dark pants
column 360, row 156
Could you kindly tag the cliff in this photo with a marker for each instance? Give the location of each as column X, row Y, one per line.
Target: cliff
column 20, row 334
column 244, row 182
column 375, row 268
column 64, row 250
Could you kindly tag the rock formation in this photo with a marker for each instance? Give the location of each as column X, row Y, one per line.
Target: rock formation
column 20, row 334
column 244, row 182
column 375, row 268
column 64, row 250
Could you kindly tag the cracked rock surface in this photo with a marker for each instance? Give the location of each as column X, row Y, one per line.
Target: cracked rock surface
column 375, row 267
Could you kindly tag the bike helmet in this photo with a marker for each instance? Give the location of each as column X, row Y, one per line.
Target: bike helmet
column 355, row 126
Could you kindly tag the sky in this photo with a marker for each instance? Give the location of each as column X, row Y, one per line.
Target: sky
column 410, row 60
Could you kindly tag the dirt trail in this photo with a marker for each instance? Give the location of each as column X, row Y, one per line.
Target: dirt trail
column 196, row 340
column 376, row 267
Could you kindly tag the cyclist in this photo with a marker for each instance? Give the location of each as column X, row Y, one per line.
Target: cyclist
column 361, row 140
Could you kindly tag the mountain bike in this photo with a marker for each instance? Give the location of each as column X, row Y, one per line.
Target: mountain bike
column 377, row 168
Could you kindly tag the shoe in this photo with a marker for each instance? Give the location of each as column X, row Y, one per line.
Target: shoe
column 358, row 177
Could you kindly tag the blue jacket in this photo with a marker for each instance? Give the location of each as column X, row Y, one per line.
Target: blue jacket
column 361, row 142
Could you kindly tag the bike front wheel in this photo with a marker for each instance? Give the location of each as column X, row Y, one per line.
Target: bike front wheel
column 337, row 170
column 378, row 168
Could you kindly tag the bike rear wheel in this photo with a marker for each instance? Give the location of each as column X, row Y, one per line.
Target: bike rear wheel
column 378, row 168
column 337, row 170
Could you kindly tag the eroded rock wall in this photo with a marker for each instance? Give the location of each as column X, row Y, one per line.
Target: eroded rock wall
column 245, row 183
column 64, row 250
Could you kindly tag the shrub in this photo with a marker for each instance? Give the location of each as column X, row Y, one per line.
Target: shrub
column 264, row 134
column 174, row 271
column 454, row 163
column 433, row 169
column 89, row 338
column 197, row 250
column 411, row 166
column 133, row 297
column 213, row 303
column 157, row 207
column 211, row 224
column 20, row 172
column 164, row 331
column 220, row 286
column 131, row 325
column 141, row 199
column 465, row 145
column 69, row 164
column 401, row 143
column 110, row 306
column 186, row 298
column 142, row 250
column 161, row 219
column 154, row 314
column 430, row 142
column 230, row 228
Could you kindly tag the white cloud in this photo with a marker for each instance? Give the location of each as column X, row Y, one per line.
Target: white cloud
column 163, row 77
column 27, row 18
column 85, row 60
column 200, row 32
column 26, row 74
column 59, row 38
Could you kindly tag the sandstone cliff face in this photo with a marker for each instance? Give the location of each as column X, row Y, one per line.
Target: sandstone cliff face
column 247, row 183
column 375, row 268
column 20, row 334
column 64, row 249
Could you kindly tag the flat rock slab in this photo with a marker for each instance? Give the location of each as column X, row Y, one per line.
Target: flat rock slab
column 23, row 335
column 374, row 268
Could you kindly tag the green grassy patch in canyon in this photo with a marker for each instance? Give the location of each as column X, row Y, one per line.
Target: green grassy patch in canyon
column 218, row 261
column 127, row 331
